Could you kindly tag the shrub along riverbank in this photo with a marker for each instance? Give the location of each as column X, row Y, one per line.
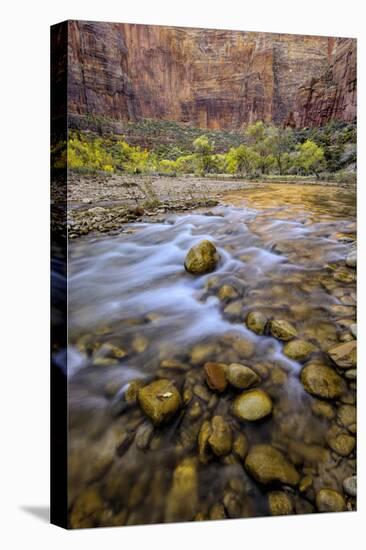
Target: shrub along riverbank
column 260, row 151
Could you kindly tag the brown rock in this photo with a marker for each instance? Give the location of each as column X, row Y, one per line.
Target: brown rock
column 344, row 355
column 216, row 376
column 282, row 330
column 322, row 381
column 240, row 376
column 220, row 439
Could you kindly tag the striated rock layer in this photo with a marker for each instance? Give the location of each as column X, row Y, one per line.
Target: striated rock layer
column 209, row 78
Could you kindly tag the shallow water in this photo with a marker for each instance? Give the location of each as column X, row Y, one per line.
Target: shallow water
column 279, row 247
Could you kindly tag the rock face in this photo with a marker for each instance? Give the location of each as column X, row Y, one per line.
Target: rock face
column 209, row 78
column 201, row 258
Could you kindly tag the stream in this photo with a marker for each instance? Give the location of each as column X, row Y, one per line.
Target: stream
column 135, row 315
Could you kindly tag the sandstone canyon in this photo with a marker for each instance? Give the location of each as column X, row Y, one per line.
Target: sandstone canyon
column 215, row 79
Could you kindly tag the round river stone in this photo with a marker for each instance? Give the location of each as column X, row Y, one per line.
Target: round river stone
column 268, row 465
column 252, row 405
column 322, row 381
column 159, row 400
column 201, row 258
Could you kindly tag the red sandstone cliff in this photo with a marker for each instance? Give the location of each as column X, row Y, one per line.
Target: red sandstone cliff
column 209, row 78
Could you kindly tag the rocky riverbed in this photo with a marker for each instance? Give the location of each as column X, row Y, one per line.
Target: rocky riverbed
column 220, row 394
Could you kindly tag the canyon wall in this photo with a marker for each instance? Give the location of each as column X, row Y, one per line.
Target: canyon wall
column 209, row 78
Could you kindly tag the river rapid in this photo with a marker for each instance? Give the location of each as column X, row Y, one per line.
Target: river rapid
column 135, row 315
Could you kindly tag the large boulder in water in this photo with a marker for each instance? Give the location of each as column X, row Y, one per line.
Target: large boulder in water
column 201, row 258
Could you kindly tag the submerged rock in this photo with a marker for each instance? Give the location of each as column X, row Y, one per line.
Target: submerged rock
column 344, row 355
column 299, row 350
column 182, row 499
column 227, row 292
column 256, row 321
column 252, row 405
column 240, row 446
column 217, row 511
column 353, row 330
column 201, row 258
column 268, row 465
column 347, row 415
column 282, row 330
column 340, row 442
column 328, row 500
column 220, row 439
column 350, row 486
column 343, row 276
column 322, row 408
column 216, row 376
column 322, row 381
column 159, row 400
column 203, row 448
column 215, row 436
column 351, row 259
column 86, row 510
column 240, row 376
column 279, row 503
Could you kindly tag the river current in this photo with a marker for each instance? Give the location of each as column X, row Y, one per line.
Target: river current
column 136, row 315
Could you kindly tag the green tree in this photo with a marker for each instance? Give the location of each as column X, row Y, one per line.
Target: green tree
column 256, row 136
column 310, row 158
column 242, row 160
column 280, row 142
column 203, row 152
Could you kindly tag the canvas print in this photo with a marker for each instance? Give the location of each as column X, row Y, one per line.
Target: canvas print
column 203, row 224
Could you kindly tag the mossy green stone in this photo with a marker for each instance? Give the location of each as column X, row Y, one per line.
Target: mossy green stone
column 201, row 258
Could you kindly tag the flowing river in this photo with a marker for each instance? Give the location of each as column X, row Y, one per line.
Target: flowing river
column 136, row 315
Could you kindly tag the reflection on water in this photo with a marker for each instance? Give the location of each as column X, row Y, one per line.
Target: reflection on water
column 135, row 315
